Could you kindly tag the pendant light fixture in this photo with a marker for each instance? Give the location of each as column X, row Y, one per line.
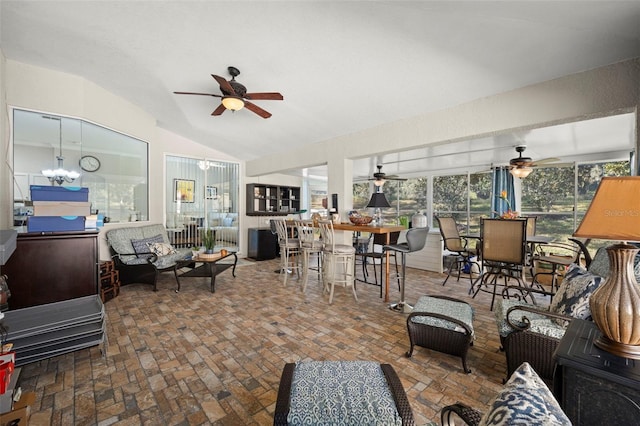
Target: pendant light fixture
column 59, row 175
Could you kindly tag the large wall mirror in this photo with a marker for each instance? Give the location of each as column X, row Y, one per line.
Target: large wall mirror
column 112, row 165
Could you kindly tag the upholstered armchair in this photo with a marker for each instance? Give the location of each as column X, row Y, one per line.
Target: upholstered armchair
column 531, row 333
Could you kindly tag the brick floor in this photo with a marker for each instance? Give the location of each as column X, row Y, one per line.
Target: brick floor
column 196, row 358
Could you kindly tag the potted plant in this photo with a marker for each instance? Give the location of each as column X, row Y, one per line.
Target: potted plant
column 195, row 250
column 209, row 240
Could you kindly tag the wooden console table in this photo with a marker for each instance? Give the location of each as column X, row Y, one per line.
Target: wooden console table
column 593, row 386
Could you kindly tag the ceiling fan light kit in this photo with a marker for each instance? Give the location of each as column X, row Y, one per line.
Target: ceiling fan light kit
column 521, row 167
column 521, row 171
column 234, row 103
column 235, row 97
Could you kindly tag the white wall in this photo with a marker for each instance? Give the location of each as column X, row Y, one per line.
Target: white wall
column 6, row 208
column 44, row 90
column 589, row 94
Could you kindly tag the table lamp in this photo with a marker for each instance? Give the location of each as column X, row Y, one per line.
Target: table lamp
column 378, row 200
column 614, row 214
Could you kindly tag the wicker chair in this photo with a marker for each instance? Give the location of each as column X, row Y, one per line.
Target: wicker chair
column 531, row 333
column 526, row 345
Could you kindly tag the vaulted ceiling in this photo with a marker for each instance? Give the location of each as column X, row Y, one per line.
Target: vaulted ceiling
column 341, row 66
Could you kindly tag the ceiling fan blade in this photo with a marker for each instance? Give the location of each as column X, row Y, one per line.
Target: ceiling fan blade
column 224, row 85
column 545, row 161
column 195, row 93
column 219, row 110
column 255, row 108
column 266, row 96
column 395, row 178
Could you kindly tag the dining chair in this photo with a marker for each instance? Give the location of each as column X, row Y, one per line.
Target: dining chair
column 375, row 256
column 289, row 250
column 309, row 245
column 551, row 260
column 338, row 261
column 458, row 247
column 503, row 247
column 416, row 240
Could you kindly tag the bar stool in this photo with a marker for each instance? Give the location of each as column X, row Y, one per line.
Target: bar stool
column 309, row 245
column 335, row 257
column 416, row 239
column 289, row 250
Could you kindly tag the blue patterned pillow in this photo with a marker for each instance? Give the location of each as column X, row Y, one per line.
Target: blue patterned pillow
column 573, row 295
column 141, row 248
column 525, row 400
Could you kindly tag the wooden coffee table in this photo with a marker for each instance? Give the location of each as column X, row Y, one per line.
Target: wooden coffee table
column 209, row 268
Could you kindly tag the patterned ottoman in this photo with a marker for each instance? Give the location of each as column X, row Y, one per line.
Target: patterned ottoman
column 443, row 324
column 341, row 393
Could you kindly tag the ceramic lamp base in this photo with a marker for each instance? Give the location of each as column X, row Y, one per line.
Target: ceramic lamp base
column 619, row 349
column 615, row 305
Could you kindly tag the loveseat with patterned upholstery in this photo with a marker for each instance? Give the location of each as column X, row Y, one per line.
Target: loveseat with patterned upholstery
column 140, row 253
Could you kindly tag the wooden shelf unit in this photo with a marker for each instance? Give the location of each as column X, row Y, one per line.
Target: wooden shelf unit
column 272, row 200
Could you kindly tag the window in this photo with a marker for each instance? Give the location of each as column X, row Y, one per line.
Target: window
column 116, row 175
column 466, row 197
column 560, row 196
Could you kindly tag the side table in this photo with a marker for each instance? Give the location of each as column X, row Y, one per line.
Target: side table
column 593, row 386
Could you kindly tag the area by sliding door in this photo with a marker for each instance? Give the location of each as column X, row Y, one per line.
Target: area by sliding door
column 202, row 194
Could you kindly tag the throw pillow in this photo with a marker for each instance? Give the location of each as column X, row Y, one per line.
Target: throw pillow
column 161, row 249
column 227, row 221
column 573, row 295
column 141, row 248
column 525, row 400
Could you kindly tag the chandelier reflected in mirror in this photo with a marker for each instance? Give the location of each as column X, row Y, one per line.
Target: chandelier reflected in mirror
column 59, row 175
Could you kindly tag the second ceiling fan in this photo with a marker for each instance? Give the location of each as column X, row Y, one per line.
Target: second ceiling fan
column 522, row 166
column 380, row 177
column 234, row 95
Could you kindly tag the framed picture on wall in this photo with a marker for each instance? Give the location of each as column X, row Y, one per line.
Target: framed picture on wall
column 211, row 193
column 184, row 190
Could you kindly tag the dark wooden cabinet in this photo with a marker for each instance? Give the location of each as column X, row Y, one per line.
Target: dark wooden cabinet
column 52, row 267
column 593, row 386
column 272, row 200
column 263, row 244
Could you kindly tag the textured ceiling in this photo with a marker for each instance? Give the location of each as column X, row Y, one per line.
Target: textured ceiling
column 341, row 66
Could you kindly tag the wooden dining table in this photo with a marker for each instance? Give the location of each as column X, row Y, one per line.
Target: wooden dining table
column 384, row 229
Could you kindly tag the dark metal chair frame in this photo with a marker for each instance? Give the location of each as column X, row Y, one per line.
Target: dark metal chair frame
column 503, row 254
column 379, row 240
column 457, row 245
